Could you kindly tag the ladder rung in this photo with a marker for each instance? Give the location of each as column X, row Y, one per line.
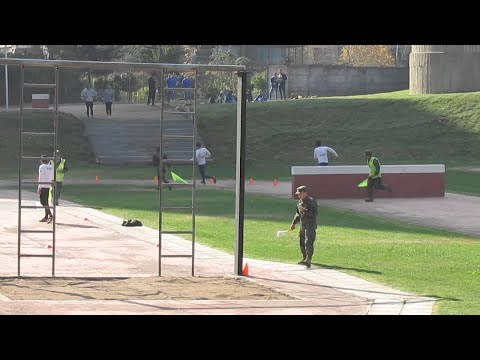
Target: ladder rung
column 37, row 183
column 166, row 137
column 177, row 208
column 40, row 109
column 35, row 255
column 176, row 185
column 37, row 133
column 40, row 86
column 177, row 232
column 178, row 161
column 38, row 157
column 31, row 207
column 179, row 112
column 36, row 231
column 176, row 256
column 179, row 89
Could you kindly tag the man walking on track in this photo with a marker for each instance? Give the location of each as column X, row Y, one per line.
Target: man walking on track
column 374, row 177
column 306, row 215
column 202, row 154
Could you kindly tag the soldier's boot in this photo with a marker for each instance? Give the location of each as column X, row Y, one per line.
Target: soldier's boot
column 308, row 261
column 302, row 262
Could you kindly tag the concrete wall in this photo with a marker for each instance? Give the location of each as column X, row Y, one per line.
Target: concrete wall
column 341, row 182
column 436, row 69
column 332, row 80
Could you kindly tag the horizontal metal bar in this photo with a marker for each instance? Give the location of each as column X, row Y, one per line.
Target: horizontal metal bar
column 176, row 256
column 36, row 231
column 179, row 89
column 105, row 65
column 177, row 208
column 34, row 255
column 40, row 86
column 178, row 161
column 176, row 232
column 179, row 113
column 38, row 157
column 31, row 207
column 166, row 137
column 40, row 109
column 176, row 185
column 37, row 133
column 37, row 182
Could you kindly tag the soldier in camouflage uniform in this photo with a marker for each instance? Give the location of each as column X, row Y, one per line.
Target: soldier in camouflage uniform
column 307, row 216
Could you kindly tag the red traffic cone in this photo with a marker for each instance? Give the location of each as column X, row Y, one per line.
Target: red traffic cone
column 245, row 270
column 250, row 182
column 275, row 183
column 212, row 181
column 49, row 246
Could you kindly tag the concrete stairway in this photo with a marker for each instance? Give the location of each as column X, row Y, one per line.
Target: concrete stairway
column 134, row 140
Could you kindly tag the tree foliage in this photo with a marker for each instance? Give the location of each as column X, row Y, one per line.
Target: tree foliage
column 366, row 56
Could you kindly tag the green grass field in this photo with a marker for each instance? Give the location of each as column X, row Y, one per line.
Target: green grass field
column 412, row 258
column 398, row 127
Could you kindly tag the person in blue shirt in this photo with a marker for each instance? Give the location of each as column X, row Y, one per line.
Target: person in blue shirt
column 187, row 84
column 171, row 84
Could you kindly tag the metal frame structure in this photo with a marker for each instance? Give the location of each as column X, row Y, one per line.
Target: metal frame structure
column 162, row 69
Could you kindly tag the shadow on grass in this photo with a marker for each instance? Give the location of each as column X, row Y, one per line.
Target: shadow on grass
column 334, row 267
column 221, row 204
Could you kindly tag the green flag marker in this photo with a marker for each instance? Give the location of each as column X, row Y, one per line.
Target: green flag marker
column 175, row 177
column 363, row 183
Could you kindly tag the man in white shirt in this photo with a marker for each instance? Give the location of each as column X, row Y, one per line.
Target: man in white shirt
column 202, row 154
column 45, row 178
column 321, row 153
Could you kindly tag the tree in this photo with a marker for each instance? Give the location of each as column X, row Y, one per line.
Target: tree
column 366, row 56
column 152, row 53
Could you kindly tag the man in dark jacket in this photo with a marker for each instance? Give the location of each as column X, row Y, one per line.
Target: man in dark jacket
column 157, row 163
column 306, row 215
column 152, row 88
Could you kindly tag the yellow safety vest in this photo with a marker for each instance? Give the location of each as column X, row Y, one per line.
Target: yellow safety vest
column 373, row 169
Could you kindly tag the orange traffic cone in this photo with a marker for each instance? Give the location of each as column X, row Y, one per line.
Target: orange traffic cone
column 155, row 179
column 245, row 270
column 212, row 181
column 250, row 182
column 97, row 179
column 275, row 183
column 49, row 246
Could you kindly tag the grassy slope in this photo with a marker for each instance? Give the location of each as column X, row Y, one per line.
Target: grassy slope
column 412, row 258
column 71, row 139
column 400, row 129
column 396, row 126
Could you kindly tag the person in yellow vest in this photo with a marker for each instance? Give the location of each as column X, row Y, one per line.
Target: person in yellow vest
column 374, row 177
column 61, row 168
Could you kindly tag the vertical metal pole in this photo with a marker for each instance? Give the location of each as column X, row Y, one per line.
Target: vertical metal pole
column 160, row 180
column 20, row 157
column 6, row 80
column 240, row 170
column 193, row 167
column 55, row 146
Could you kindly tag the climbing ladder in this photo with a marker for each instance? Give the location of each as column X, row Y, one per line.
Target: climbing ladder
column 165, row 135
column 23, row 135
